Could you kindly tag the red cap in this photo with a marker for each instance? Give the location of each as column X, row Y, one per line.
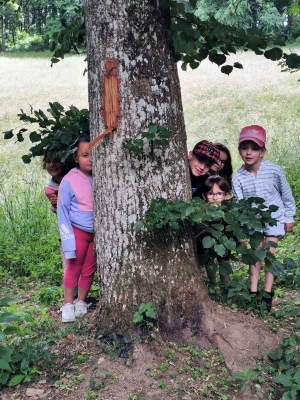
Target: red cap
column 255, row 133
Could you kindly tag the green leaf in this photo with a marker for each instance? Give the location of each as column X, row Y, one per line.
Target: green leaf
column 152, row 128
column 187, row 210
column 174, row 225
column 260, row 254
column 25, row 364
column 162, row 142
column 138, row 226
column 218, row 59
column 292, row 60
column 54, row 60
column 8, row 134
column 148, row 135
column 238, row 65
column 273, row 208
column 137, row 317
column 151, row 313
column 274, row 54
column 289, row 262
column 194, row 64
column 34, row 137
column 208, row 242
column 225, row 269
column 227, row 69
column 16, row 380
column 230, row 244
column 284, row 380
column 219, row 249
column 248, row 259
column 193, row 3
column 26, row 159
column 9, row 317
column 5, row 353
column 4, row 365
column 296, row 312
column 4, row 377
column 20, row 137
column 11, row 329
column 165, row 134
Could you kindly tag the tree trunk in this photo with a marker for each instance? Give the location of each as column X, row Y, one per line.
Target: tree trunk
column 2, row 35
column 157, row 266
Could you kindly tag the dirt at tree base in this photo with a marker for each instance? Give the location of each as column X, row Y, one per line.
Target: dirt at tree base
column 161, row 369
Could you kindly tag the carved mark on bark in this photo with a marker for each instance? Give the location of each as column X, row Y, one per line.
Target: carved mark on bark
column 110, row 109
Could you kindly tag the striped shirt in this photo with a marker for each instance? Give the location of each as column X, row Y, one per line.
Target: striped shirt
column 270, row 184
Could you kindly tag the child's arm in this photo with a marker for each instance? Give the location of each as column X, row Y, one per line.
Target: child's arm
column 52, row 196
column 65, row 195
column 288, row 201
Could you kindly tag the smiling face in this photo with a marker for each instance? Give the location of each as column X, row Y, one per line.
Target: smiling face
column 84, row 159
column 251, row 154
column 55, row 168
column 198, row 167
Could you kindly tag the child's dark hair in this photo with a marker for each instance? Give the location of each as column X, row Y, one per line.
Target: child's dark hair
column 82, row 139
column 47, row 155
column 226, row 171
column 216, row 179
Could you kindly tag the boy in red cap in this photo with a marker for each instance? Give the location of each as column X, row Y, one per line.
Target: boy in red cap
column 203, row 156
column 261, row 178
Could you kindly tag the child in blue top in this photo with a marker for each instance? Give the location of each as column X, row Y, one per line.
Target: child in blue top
column 261, row 178
column 75, row 222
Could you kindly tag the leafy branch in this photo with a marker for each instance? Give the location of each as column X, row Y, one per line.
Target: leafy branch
column 221, row 229
column 58, row 131
column 156, row 134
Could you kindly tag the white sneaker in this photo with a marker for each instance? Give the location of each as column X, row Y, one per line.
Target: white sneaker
column 67, row 313
column 80, row 308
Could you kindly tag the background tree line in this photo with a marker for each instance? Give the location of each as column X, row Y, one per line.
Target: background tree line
column 30, row 24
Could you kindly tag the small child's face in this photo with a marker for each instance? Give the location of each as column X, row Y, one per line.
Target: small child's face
column 216, row 194
column 251, row 153
column 84, row 158
column 198, row 167
column 54, row 167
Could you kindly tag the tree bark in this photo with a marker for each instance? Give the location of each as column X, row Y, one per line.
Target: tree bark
column 157, row 266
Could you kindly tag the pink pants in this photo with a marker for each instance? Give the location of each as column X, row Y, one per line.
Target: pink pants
column 80, row 270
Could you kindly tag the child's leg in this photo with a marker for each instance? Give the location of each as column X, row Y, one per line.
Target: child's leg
column 74, row 265
column 269, row 278
column 254, row 271
column 87, row 271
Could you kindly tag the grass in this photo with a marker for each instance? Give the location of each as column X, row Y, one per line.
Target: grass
column 216, row 108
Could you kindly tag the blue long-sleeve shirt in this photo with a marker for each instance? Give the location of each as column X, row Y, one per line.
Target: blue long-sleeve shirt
column 74, row 208
column 270, row 183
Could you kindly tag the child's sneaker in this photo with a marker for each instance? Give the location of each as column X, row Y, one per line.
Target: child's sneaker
column 67, row 313
column 80, row 308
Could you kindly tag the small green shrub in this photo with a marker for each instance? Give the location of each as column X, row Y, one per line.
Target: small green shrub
column 20, row 350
